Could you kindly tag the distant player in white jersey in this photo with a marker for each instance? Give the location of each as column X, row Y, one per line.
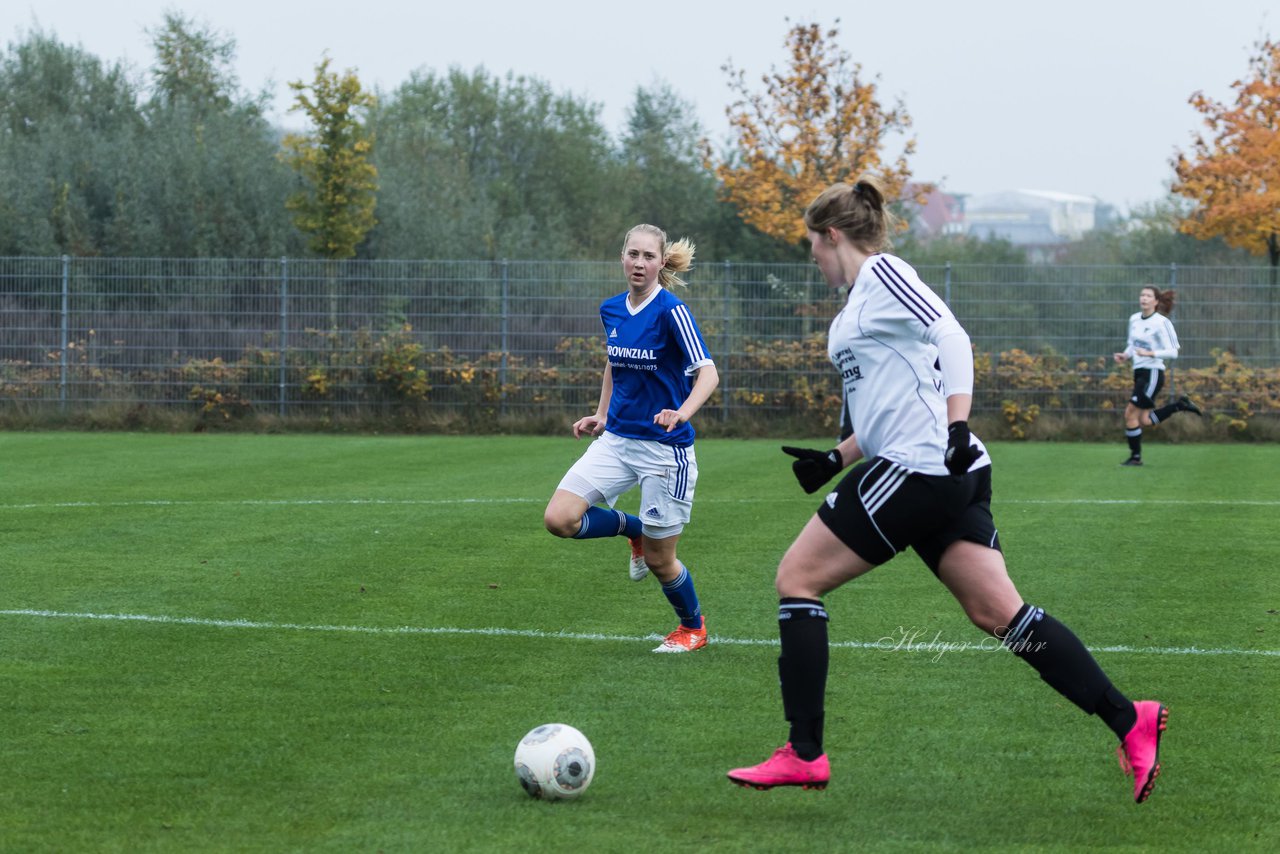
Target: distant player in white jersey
column 1151, row 341
column 919, row 480
column 657, row 376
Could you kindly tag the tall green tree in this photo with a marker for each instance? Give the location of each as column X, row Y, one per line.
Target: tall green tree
column 667, row 183
column 89, row 168
column 204, row 184
column 43, row 80
column 429, row 205
column 205, row 181
column 67, row 125
column 336, row 205
column 193, row 64
column 487, row 167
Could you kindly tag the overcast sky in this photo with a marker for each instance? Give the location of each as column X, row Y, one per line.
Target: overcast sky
column 1086, row 97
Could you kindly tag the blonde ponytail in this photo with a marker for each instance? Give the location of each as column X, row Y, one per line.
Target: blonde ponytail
column 677, row 259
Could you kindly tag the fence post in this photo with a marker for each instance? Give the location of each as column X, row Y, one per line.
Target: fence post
column 66, row 311
column 946, row 286
column 1173, row 280
column 284, row 330
column 728, row 344
column 502, row 365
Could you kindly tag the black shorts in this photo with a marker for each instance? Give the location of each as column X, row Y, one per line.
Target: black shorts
column 881, row 508
column 1147, row 383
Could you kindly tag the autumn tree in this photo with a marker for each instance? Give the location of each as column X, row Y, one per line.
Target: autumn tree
column 816, row 122
column 336, row 206
column 1233, row 172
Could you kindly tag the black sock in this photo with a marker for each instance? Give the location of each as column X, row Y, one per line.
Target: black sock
column 1117, row 712
column 802, row 671
column 1165, row 411
column 1134, row 436
column 1063, row 662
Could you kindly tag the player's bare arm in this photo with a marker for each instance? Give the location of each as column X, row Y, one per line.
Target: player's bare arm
column 703, row 385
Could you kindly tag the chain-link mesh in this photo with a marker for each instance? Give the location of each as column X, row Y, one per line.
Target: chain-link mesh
column 523, row 337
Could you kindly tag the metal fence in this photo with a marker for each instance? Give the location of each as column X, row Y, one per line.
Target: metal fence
column 517, row 338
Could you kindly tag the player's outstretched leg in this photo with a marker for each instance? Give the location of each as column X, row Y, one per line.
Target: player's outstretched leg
column 1069, row 668
column 1182, row 404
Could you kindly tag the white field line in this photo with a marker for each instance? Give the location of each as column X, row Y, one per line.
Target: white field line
column 253, row 502
column 429, row 502
column 899, row 643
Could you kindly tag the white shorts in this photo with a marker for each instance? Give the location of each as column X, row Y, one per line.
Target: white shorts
column 667, row 476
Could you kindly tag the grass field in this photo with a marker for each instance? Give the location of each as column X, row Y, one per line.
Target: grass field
column 301, row 643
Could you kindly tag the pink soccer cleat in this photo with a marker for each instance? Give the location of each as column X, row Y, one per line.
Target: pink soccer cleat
column 1140, row 749
column 784, row 768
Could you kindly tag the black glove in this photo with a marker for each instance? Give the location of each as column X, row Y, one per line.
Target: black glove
column 814, row 468
column 960, row 454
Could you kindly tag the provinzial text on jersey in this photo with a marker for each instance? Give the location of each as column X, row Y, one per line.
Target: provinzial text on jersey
column 630, row 353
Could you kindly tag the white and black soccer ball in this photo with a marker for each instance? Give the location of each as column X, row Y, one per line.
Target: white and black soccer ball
column 555, row 762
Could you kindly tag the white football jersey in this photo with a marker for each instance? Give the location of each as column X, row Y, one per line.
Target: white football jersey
column 884, row 344
column 1155, row 333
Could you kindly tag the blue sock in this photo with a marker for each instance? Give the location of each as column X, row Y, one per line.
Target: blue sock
column 603, row 522
column 684, row 599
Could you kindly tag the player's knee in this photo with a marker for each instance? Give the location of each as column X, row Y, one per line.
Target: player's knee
column 560, row 526
column 782, row 578
column 664, row 570
column 792, row 581
column 987, row 621
column 991, row 617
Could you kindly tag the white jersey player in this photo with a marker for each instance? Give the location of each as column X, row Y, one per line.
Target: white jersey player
column 1151, row 341
column 1151, row 336
column 919, row 480
column 657, row 376
column 900, row 353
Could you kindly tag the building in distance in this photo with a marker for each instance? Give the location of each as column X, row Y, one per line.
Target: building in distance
column 1032, row 219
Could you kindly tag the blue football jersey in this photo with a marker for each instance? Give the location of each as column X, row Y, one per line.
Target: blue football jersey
column 653, row 353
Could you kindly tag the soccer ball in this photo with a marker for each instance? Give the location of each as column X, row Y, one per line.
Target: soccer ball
column 555, row 762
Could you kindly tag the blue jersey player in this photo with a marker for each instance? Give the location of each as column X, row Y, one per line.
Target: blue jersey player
column 657, row 377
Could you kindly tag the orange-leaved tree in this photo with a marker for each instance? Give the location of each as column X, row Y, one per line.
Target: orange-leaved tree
column 1233, row 173
column 816, row 122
